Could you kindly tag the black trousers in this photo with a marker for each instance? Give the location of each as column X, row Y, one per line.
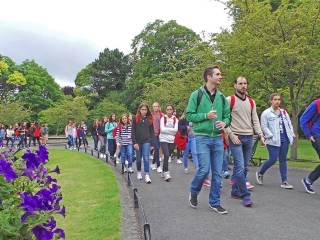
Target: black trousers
column 167, row 149
column 315, row 174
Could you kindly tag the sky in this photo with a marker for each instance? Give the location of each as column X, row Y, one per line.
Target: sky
column 66, row 35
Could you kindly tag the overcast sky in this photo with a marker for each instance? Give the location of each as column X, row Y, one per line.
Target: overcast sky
column 66, row 35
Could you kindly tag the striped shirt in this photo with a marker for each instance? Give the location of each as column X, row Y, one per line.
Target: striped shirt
column 123, row 135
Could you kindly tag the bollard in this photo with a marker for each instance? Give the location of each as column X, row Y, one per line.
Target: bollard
column 146, row 231
column 129, row 179
column 91, row 152
column 107, row 158
column 98, row 154
column 85, row 150
column 135, row 198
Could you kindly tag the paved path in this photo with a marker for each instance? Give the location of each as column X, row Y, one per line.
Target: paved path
column 277, row 213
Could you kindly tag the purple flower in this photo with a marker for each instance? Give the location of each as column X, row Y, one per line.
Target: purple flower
column 51, row 223
column 24, row 217
column 42, row 233
column 30, row 203
column 7, row 171
column 50, row 180
column 56, row 170
column 60, row 232
column 62, row 211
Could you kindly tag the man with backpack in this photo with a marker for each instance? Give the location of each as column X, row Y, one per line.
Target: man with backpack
column 244, row 124
column 209, row 113
column 310, row 125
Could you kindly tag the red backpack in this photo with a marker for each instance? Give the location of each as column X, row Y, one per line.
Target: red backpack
column 114, row 131
column 233, row 101
column 180, row 140
column 36, row 132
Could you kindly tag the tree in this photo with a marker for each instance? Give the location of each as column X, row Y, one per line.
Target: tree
column 107, row 73
column 68, row 91
column 160, row 51
column 11, row 113
column 106, row 108
column 10, row 79
column 59, row 115
column 277, row 49
column 41, row 91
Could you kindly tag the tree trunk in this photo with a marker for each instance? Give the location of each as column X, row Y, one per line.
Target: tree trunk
column 294, row 147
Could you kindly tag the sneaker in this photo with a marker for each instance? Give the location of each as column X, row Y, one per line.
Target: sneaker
column 307, row 185
column 160, row 159
column 218, row 209
column 169, row 160
column 126, row 162
column 153, row 167
column 139, row 176
column 167, row 176
column 179, row 161
column 159, row 169
column 259, row 178
column 286, row 185
column 193, row 200
column 226, row 174
column 247, row 202
column 125, row 169
column 147, row 179
column 186, row 170
column 117, row 161
column 206, row 183
column 130, row 170
column 249, row 186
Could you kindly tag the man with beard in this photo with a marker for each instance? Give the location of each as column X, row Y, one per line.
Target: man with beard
column 244, row 124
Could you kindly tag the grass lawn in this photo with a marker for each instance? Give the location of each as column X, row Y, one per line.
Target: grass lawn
column 90, row 194
column 305, row 151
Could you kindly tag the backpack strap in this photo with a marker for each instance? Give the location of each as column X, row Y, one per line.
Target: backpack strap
column 251, row 102
column 199, row 97
column 316, row 115
column 232, row 102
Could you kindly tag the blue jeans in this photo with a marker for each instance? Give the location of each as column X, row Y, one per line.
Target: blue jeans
column 156, row 149
column 210, row 153
column 112, row 147
column 126, row 153
column 226, row 155
column 241, row 155
column 276, row 153
column 143, row 152
column 191, row 145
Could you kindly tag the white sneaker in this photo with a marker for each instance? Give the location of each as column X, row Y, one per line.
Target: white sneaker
column 153, row 167
column 167, row 176
column 125, row 169
column 117, row 161
column 186, row 170
column 147, row 179
column 179, row 161
column 126, row 162
column 169, row 160
column 130, row 170
column 159, row 170
column 139, row 176
column 160, row 159
column 286, row 185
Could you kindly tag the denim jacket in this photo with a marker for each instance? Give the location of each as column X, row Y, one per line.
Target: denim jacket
column 270, row 125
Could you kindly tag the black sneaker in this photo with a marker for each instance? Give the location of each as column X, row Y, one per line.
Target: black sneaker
column 218, row 209
column 193, row 200
column 307, row 186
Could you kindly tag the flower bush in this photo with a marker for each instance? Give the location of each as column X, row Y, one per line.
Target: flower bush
column 29, row 197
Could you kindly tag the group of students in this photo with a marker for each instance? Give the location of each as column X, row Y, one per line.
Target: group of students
column 76, row 135
column 214, row 115
column 21, row 135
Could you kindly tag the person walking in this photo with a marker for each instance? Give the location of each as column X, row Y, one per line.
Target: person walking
column 168, row 130
column 124, row 142
column 209, row 113
column 310, row 124
column 278, row 131
column 142, row 135
column 244, row 123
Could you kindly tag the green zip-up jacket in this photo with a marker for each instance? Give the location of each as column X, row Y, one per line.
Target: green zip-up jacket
column 199, row 117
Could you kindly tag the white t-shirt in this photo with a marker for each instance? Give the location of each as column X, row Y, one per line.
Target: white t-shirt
column 168, row 130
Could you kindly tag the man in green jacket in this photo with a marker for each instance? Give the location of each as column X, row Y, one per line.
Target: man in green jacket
column 209, row 113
